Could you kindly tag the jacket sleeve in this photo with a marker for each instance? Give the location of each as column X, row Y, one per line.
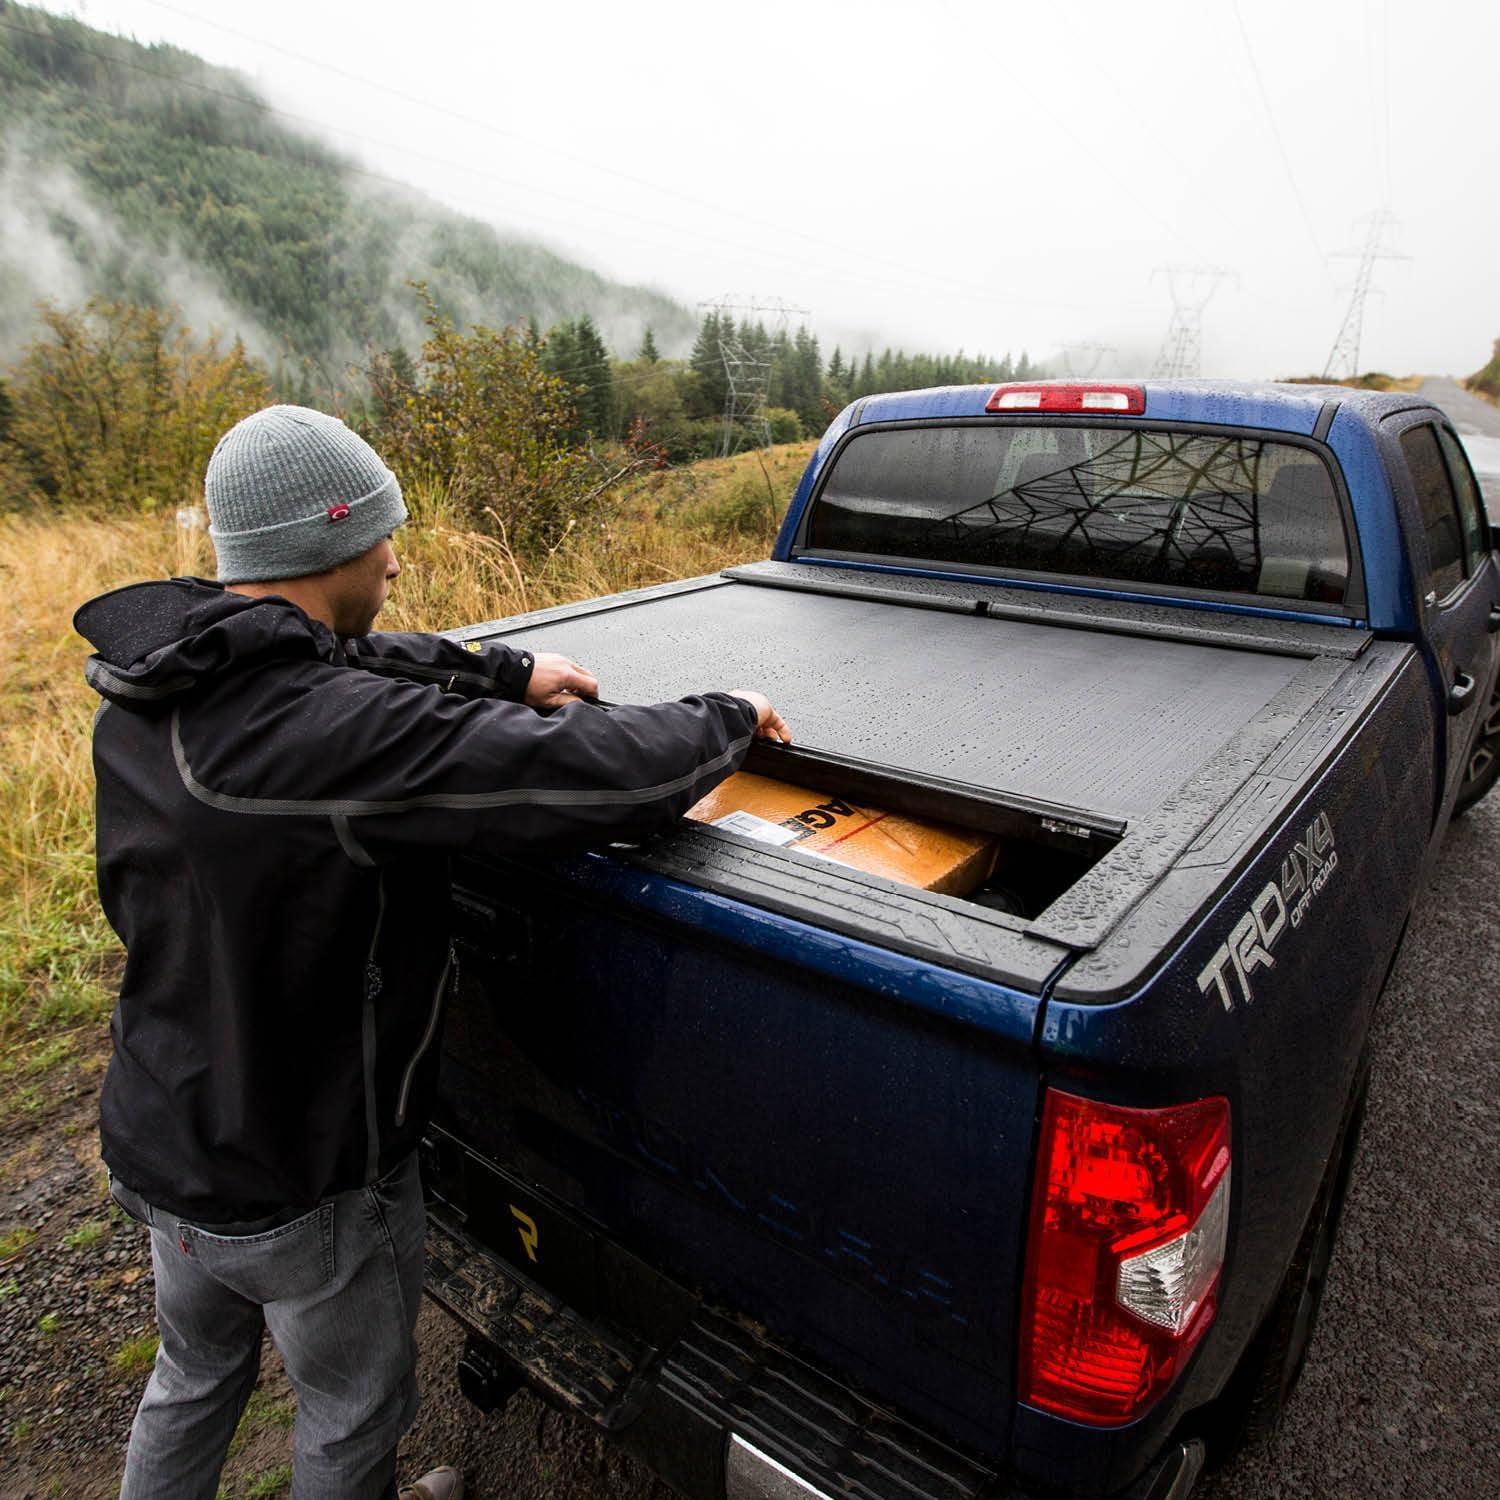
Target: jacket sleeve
column 493, row 670
column 397, row 766
column 501, row 776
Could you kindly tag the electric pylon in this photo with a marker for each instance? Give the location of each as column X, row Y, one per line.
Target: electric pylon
column 1343, row 358
column 1191, row 288
column 747, row 377
column 1093, row 354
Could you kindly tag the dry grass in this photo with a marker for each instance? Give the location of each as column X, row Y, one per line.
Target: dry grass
column 1375, row 381
column 56, row 951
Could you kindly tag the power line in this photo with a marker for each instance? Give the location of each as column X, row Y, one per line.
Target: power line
column 1286, row 161
column 1378, row 83
column 531, row 142
column 245, row 101
column 1385, row 23
column 925, row 273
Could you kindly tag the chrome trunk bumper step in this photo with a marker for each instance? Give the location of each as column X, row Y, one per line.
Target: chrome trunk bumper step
column 750, row 1475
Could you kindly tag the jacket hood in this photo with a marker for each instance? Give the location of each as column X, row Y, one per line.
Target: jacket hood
column 157, row 642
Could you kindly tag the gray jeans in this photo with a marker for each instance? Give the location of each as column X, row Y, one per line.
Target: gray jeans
column 338, row 1288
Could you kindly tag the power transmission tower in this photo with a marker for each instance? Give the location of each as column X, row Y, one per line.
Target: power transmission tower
column 1343, row 358
column 747, row 376
column 1191, row 288
column 1090, row 353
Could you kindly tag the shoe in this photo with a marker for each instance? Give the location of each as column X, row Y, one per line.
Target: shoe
column 440, row 1484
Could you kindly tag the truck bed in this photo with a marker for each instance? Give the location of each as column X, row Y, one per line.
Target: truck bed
column 1112, row 730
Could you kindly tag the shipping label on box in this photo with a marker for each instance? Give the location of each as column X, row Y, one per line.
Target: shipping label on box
column 930, row 855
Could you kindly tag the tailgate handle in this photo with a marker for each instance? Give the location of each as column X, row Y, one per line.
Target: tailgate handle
column 1460, row 693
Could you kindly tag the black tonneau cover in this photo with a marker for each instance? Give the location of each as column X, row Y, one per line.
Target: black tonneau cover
column 1088, row 718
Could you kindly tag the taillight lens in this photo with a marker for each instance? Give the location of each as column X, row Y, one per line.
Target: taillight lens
column 1128, row 1220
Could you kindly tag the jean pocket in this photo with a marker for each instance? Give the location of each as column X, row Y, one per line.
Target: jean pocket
column 129, row 1202
column 292, row 1260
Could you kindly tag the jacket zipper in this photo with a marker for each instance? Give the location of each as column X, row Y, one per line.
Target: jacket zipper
column 427, row 1036
column 373, row 984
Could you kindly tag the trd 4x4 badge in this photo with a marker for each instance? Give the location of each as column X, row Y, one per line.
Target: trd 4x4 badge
column 1306, row 869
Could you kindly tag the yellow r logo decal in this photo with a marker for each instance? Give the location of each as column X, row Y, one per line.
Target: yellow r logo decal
column 526, row 1228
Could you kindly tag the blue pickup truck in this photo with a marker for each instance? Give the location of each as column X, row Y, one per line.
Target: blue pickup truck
column 801, row 1181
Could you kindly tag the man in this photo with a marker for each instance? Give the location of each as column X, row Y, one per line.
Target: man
column 278, row 791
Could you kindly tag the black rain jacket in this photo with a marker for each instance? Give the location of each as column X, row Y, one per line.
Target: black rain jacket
column 275, row 809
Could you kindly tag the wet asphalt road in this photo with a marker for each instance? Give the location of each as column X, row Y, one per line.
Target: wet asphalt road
column 1400, row 1396
column 1478, row 424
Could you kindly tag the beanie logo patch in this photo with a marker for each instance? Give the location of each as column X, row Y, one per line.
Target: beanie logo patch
column 338, row 512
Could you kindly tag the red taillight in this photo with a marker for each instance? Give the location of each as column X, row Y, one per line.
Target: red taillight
column 1118, row 400
column 1128, row 1219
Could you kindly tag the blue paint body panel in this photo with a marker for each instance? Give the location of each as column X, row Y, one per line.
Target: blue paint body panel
column 1390, row 598
column 836, row 1140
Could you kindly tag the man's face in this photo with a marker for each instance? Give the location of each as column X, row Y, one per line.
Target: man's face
column 358, row 588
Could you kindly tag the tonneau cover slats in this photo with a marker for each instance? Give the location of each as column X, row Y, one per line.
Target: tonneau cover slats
column 1095, row 719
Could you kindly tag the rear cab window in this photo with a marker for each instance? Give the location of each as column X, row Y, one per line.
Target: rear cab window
column 1165, row 510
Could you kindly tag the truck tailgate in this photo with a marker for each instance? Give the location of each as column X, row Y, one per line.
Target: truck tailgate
column 843, row 1167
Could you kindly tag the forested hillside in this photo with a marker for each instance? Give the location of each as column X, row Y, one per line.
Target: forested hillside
column 145, row 175
column 154, row 201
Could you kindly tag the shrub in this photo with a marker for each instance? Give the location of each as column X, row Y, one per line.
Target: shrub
column 1487, row 379
column 478, row 415
column 786, row 425
column 120, row 406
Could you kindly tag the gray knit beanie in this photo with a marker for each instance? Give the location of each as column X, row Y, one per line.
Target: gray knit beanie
column 292, row 491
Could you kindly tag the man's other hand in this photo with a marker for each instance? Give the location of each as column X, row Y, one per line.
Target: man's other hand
column 557, row 681
column 769, row 724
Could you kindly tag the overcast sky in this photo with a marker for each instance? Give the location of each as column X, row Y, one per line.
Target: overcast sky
column 987, row 175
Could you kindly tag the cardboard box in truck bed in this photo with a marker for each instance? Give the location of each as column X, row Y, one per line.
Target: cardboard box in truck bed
column 929, row 855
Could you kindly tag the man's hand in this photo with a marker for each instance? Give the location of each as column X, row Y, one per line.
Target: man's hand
column 770, row 725
column 558, row 680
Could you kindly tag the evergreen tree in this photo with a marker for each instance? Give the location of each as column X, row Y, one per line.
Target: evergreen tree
column 707, row 364
column 559, row 358
column 648, row 354
column 560, row 351
column 838, row 380
column 806, row 384
column 783, row 377
column 755, row 341
column 596, row 402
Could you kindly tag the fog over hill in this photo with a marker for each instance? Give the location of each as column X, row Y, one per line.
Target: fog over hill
column 143, row 173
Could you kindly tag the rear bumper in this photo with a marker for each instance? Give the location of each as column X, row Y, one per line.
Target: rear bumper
column 720, row 1412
